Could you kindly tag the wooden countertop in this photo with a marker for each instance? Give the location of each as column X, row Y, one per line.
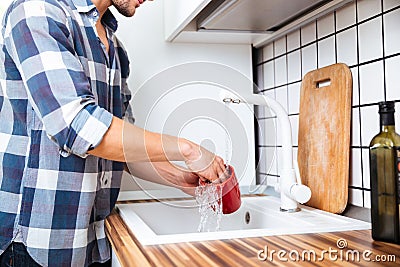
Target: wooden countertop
column 246, row 251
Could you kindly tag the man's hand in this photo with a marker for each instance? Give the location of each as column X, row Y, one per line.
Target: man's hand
column 207, row 165
column 165, row 173
column 187, row 182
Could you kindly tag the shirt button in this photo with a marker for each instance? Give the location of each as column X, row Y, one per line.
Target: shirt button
column 95, row 13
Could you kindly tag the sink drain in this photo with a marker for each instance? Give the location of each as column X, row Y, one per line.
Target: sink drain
column 247, row 217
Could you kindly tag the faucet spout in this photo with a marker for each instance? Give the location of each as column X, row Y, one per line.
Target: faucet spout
column 291, row 190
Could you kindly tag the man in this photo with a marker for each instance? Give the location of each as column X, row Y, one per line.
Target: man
column 63, row 143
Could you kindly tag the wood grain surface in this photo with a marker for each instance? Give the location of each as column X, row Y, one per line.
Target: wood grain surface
column 324, row 136
column 245, row 251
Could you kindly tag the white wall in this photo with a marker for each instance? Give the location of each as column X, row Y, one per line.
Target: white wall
column 3, row 6
column 161, row 90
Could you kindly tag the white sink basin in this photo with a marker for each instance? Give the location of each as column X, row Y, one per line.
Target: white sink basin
column 177, row 221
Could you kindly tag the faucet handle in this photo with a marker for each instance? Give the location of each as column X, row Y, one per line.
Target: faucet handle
column 300, row 193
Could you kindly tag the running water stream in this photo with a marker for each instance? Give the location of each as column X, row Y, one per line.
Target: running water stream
column 210, row 207
column 209, row 196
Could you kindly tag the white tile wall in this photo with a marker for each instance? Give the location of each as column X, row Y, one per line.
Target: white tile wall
column 270, row 137
column 309, row 58
column 294, row 99
column 293, row 40
column 279, row 157
column 326, row 52
column 282, row 96
column 280, row 47
column 325, row 25
column 371, row 82
column 294, row 121
column 391, row 22
column 268, row 52
column 366, row 37
column 270, row 93
column 281, row 75
column 367, row 9
column 262, row 160
column 370, row 40
column 347, row 46
column 369, row 124
column 356, row 94
column 260, row 73
column 356, row 197
column 269, row 75
column 388, row 4
column 392, row 70
column 367, row 199
column 294, row 66
column 355, row 127
column 267, row 162
column 308, row 33
column 356, row 169
column 346, row 16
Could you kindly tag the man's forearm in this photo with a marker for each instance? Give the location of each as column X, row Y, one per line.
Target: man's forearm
column 125, row 142
column 158, row 172
column 128, row 143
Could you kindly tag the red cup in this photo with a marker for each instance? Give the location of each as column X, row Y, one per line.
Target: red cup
column 231, row 200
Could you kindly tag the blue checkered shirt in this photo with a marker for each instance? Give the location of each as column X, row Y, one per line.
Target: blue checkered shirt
column 58, row 92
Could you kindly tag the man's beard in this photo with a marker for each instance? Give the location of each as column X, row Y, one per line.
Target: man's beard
column 123, row 7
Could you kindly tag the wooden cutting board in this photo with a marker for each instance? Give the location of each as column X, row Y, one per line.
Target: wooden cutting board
column 324, row 136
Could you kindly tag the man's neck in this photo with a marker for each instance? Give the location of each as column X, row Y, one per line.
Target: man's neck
column 102, row 5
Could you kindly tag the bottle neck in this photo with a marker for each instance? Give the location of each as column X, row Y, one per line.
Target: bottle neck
column 387, row 122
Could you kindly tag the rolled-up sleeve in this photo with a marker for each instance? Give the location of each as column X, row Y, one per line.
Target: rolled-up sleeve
column 39, row 41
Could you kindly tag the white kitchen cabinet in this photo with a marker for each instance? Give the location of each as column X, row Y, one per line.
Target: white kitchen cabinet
column 179, row 13
column 181, row 26
column 181, row 19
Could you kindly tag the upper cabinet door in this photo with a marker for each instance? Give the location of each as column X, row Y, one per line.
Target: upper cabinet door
column 252, row 22
column 179, row 13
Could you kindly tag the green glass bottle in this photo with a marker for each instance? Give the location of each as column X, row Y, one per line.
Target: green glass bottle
column 384, row 155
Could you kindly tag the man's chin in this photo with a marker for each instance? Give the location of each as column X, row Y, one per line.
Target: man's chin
column 126, row 13
column 131, row 14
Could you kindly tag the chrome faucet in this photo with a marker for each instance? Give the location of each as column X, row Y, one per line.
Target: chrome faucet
column 291, row 190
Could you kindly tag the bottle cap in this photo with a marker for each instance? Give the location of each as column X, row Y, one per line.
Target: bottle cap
column 386, row 107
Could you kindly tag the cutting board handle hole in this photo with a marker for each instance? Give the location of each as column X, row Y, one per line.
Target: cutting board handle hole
column 324, row 83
